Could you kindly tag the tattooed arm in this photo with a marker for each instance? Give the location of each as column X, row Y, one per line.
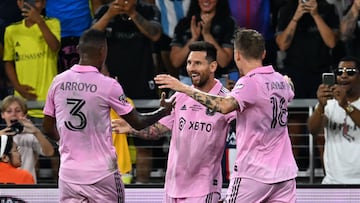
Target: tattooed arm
column 150, row 29
column 214, row 102
column 153, row 132
column 348, row 23
column 284, row 39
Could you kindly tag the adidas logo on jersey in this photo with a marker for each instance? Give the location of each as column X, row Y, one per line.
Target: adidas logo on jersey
column 17, row 44
column 183, row 107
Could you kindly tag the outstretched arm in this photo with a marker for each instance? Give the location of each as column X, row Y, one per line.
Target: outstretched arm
column 217, row 103
column 155, row 131
column 141, row 120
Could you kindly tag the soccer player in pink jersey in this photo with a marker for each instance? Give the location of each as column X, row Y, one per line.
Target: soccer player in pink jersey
column 77, row 113
column 198, row 135
column 265, row 168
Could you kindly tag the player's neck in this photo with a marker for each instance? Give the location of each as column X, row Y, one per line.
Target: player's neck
column 251, row 65
column 208, row 86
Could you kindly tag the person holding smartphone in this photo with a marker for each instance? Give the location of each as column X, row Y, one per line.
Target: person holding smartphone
column 306, row 33
column 337, row 114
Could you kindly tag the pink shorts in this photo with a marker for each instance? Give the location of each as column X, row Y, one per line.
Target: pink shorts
column 213, row 197
column 243, row 190
column 109, row 189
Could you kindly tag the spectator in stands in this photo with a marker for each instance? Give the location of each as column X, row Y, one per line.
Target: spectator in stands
column 171, row 13
column 350, row 30
column 30, row 54
column 341, row 6
column 132, row 27
column 79, row 120
column 9, row 13
column 10, row 161
column 306, row 32
column 260, row 16
column 196, row 148
column 338, row 115
column 210, row 21
column 265, row 167
column 75, row 17
column 31, row 140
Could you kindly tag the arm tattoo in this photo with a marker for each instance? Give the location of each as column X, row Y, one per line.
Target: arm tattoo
column 234, row 103
column 349, row 23
column 289, row 38
column 208, row 100
column 146, row 25
column 152, row 132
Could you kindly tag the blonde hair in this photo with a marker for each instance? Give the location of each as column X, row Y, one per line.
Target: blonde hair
column 7, row 101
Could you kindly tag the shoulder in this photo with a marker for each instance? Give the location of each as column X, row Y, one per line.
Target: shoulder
column 14, row 25
column 27, row 177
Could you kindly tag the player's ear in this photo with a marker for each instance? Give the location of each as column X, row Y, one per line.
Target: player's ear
column 213, row 66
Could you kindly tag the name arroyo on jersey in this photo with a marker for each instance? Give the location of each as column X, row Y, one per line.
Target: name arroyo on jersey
column 78, row 86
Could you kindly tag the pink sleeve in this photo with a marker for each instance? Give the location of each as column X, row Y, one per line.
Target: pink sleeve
column 117, row 99
column 49, row 108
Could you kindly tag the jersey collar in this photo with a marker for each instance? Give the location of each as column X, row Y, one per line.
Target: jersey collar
column 81, row 68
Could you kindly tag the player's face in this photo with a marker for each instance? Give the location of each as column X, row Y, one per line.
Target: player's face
column 12, row 112
column 198, row 68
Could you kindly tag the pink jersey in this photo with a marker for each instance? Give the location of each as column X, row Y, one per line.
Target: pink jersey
column 80, row 99
column 262, row 140
column 196, row 147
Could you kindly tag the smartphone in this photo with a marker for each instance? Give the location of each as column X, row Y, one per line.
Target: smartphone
column 304, row 1
column 328, row 79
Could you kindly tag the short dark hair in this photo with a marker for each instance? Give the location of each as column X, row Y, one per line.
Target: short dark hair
column 91, row 40
column 204, row 46
column 250, row 43
column 353, row 59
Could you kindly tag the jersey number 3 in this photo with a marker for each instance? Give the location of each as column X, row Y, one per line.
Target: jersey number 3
column 76, row 112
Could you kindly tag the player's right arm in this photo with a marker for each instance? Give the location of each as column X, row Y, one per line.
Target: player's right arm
column 153, row 132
